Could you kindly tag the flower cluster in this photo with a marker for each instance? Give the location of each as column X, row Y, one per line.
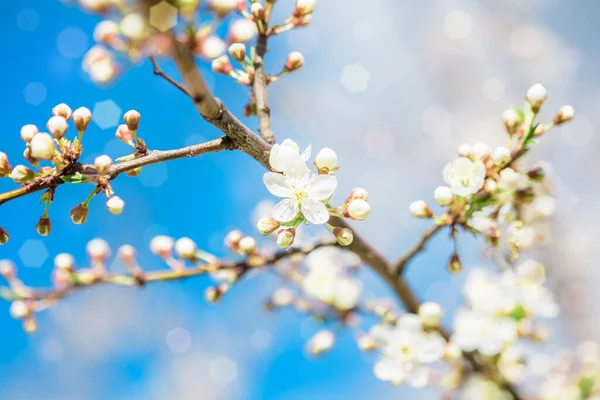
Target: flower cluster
column 306, row 196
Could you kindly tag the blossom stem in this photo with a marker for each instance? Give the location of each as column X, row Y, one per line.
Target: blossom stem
column 416, row 249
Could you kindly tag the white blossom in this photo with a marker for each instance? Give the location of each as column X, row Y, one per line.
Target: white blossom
column 42, row 146
column 483, row 332
column 286, row 153
column 184, row 247
column 465, row 177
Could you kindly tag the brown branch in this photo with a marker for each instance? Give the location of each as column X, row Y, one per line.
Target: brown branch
column 152, row 157
column 416, row 249
column 158, row 71
column 261, row 95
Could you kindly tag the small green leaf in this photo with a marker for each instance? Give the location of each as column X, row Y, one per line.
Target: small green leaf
column 77, row 177
column 477, row 204
column 519, row 113
column 529, row 139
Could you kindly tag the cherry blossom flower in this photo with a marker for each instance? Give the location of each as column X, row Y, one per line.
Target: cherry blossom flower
column 464, row 176
column 481, row 331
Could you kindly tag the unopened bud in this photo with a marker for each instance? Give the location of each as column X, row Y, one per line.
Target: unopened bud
column 132, row 120
column 465, row 150
column 344, row 236
column 57, row 126
column 565, row 114
column 321, row 342
column 285, row 238
column 22, row 174
column 30, row 325
column 266, row 226
column 304, row 7
column 127, row 254
column 82, row 117
column 222, row 65
column 536, row 95
column 107, row 32
column 443, row 195
column 19, row 309
column 61, row 279
column 213, row 294
column 295, row 60
column 232, row 240
column 537, row 174
column 358, row 209
column 79, row 214
column 511, row 120
column 238, row 52
column 62, row 110
column 98, row 250
column 501, row 155
column 162, row 246
column 134, row 26
column 326, row 161
column 134, row 172
column 453, row 352
column 28, row 132
column 103, row 164
column 115, row 205
column 366, row 343
column 247, row 244
column 44, row 226
column 258, row 11
column 303, row 20
column 430, row 314
column 282, row 297
column 124, row 134
column 8, row 270
column 65, row 262
column 242, row 31
column 42, row 146
column 420, row 209
column 357, row 193
column 454, row 266
column 223, row 7
column 4, row 236
column 186, row 248
column 5, row 168
column 212, row 47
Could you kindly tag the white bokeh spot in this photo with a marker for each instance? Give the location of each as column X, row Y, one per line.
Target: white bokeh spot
column 35, row 93
column 179, row 340
column 458, row 25
column 222, row 371
column 355, row 78
column 33, row 253
column 106, row 114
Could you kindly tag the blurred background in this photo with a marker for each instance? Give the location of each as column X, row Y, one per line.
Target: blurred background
column 393, row 86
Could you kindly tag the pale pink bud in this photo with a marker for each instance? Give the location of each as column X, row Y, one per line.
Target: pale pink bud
column 295, row 60
column 304, row 7
column 321, row 342
column 238, row 51
column 242, row 30
column 443, row 195
column 359, row 209
column 62, row 110
column 61, row 279
column 536, row 95
column 64, row 261
column 282, row 297
column 42, row 146
column 124, row 134
column 107, row 32
column 302, row 20
column 430, row 314
column 162, row 246
column 420, row 209
column 357, row 193
column 82, row 117
column 258, row 11
column 285, row 238
column 344, row 236
column 511, row 120
column 103, row 164
column 5, row 167
column 22, row 174
column 223, row 7
column 222, row 65
column 366, row 343
column 247, row 244
column 57, row 126
column 212, row 47
column 232, row 240
column 127, row 254
column 8, row 270
column 19, row 309
column 266, row 226
column 28, row 132
column 115, row 205
column 186, row 248
column 98, row 250
column 565, row 114
column 326, row 160
column 132, row 120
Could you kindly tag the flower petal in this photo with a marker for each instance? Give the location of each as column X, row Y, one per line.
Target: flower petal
column 277, row 184
column 294, row 166
column 387, row 369
column 274, row 157
column 286, row 210
column 321, row 187
column 314, row 211
column 306, row 153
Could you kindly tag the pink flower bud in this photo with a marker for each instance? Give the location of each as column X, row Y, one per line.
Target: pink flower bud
column 344, row 236
column 232, row 240
column 430, row 314
column 127, row 254
column 22, row 174
column 186, row 248
column 62, row 110
column 115, row 205
column 79, row 214
column 238, row 51
column 57, row 126
column 44, row 226
column 28, row 132
column 443, row 195
column 98, row 250
column 420, row 209
column 295, row 60
column 285, row 238
column 107, row 32
column 162, row 246
column 124, row 134
column 241, row 30
column 222, row 65
column 536, row 95
column 61, row 279
column 5, row 168
column 565, row 114
column 103, row 164
column 8, row 270
column 304, row 7
column 65, row 262
column 266, row 226
column 132, row 120
column 511, row 120
column 82, row 117
column 42, row 146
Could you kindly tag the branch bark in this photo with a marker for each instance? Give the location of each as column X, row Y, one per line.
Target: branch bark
column 416, row 249
column 260, row 90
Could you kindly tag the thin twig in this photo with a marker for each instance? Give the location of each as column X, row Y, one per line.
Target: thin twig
column 158, row 71
column 261, row 90
column 416, row 249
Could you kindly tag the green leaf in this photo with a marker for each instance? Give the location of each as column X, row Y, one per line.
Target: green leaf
column 529, row 138
column 77, row 177
column 519, row 113
column 586, row 386
column 477, row 204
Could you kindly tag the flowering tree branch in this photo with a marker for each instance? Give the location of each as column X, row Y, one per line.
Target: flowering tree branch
column 263, row 110
column 416, row 249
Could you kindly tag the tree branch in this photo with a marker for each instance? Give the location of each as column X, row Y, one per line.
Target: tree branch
column 158, row 71
column 261, row 91
column 404, row 260
column 152, row 157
